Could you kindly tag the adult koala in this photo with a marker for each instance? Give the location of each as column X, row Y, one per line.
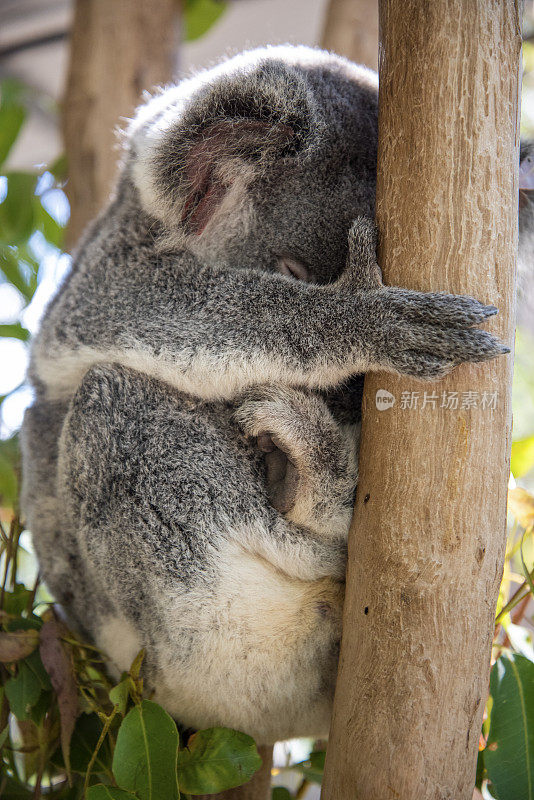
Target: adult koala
column 189, row 463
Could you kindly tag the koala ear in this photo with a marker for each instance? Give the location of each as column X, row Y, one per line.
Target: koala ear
column 224, row 148
column 207, row 139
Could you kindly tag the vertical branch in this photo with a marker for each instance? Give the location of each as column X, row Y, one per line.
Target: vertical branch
column 118, row 49
column 427, row 543
column 351, row 30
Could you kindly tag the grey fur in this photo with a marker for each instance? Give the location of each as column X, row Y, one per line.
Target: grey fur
column 175, row 343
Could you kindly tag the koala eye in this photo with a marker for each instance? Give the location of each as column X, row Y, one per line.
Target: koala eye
column 293, row 268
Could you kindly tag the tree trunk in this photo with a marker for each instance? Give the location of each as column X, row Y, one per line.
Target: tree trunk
column 118, row 49
column 351, row 30
column 259, row 788
column 427, row 542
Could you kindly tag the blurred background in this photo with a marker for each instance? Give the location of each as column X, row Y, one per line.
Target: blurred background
column 70, row 75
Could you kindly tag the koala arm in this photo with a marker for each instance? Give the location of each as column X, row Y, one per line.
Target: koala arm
column 212, row 332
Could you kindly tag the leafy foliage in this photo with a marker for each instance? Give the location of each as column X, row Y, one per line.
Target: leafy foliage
column 509, row 752
column 68, row 730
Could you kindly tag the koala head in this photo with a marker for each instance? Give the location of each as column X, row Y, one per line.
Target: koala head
column 262, row 161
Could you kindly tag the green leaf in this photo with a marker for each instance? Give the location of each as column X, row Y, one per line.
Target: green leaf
column 17, row 212
column 8, row 483
column 313, row 767
column 317, row 760
column 15, row 331
column 280, row 793
column 16, row 602
column 44, row 704
column 9, row 463
column 145, row 754
column 23, row 691
column 119, row 695
column 12, row 269
column 101, row 792
column 217, row 759
column 82, row 746
column 199, row 16
column 51, row 230
column 13, row 790
column 59, row 168
column 526, row 570
column 36, row 665
column 522, row 457
column 509, row 754
column 3, row 736
column 481, row 770
column 11, row 121
column 12, row 115
column 24, row 624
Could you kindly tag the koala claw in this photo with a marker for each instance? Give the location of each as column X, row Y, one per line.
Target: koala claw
column 427, row 334
column 430, row 363
column 440, row 308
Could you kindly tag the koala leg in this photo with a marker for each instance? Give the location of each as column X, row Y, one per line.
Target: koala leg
column 311, row 460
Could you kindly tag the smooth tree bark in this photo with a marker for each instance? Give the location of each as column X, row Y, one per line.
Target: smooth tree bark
column 351, row 30
column 118, row 49
column 427, row 542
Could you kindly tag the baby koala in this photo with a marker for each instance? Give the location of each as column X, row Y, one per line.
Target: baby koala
column 190, row 457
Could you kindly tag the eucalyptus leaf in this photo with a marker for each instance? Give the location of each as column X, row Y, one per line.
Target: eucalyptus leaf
column 313, row 768
column 13, row 790
column 15, row 645
column 16, row 601
column 8, row 483
column 59, row 664
column 509, row 753
column 52, row 231
column 101, row 792
column 11, row 121
column 217, row 759
column 12, row 271
column 12, row 115
column 17, row 212
column 522, row 456
column 199, row 16
column 83, row 744
column 59, row 168
column 23, row 691
column 14, row 330
column 36, row 665
column 44, row 704
column 144, row 761
column 280, row 793
column 3, row 736
column 119, row 695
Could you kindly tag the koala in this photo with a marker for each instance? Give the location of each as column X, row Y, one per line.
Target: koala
column 190, row 457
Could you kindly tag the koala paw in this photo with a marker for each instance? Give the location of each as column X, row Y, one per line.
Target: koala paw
column 270, row 416
column 427, row 334
column 424, row 334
